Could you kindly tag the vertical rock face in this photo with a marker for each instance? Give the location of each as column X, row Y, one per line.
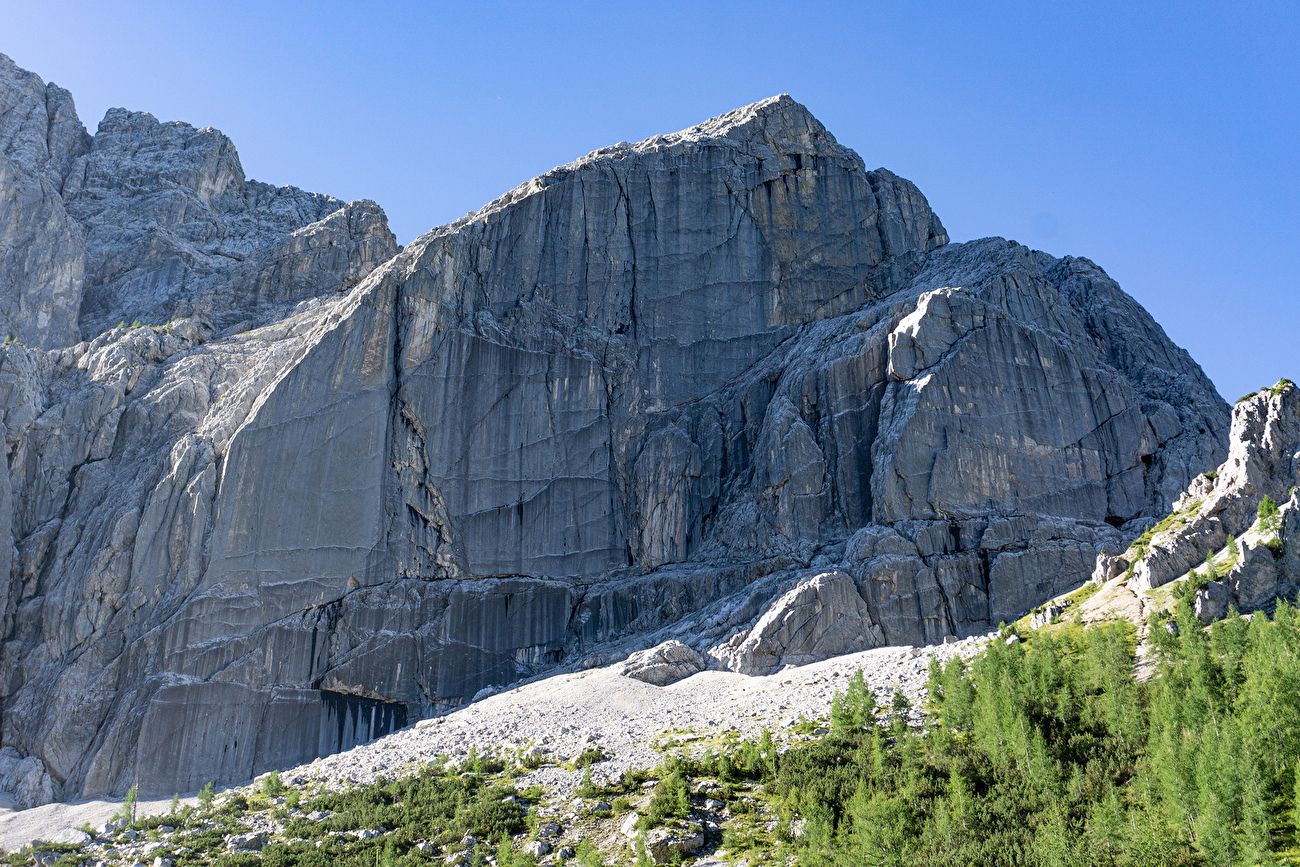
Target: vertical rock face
column 637, row 399
column 42, row 249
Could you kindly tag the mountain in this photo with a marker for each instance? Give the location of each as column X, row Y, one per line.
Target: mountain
column 330, row 487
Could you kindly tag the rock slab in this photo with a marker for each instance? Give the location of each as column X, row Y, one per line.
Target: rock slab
column 822, row 617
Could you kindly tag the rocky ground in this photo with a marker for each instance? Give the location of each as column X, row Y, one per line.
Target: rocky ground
column 551, row 723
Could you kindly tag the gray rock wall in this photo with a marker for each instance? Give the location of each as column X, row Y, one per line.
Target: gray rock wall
column 637, row 399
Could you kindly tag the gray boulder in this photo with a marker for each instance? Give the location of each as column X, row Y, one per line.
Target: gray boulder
column 250, row 841
column 26, row 778
column 664, row 663
column 665, row 846
column 823, row 616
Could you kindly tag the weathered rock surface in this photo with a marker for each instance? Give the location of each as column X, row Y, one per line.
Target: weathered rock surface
column 664, row 845
column 1232, row 534
column 1263, row 461
column 41, row 247
column 822, row 617
column 26, row 778
column 664, row 663
column 151, row 222
column 636, row 399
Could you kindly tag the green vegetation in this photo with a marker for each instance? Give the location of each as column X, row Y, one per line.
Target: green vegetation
column 272, row 786
column 1042, row 752
column 1270, row 521
column 672, row 797
column 433, row 805
column 1196, row 582
column 128, row 807
column 1282, row 385
column 1049, row 752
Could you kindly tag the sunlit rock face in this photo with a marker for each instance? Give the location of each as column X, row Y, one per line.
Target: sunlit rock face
column 637, row 399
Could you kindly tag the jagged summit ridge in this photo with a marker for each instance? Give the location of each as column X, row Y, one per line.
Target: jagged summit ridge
column 336, row 489
column 148, row 221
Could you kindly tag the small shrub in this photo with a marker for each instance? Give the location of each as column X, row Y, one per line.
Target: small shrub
column 128, row 807
column 235, row 805
column 588, row 855
column 587, row 788
column 672, row 797
column 632, row 779
column 493, row 818
column 207, row 795
column 272, row 785
column 1188, row 589
column 1267, row 513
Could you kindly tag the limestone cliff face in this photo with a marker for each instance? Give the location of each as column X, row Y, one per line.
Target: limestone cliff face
column 638, row 398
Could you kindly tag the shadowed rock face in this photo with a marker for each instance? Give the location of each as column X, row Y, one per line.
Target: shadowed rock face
column 637, row 399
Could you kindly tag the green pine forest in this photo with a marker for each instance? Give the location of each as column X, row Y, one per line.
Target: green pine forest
column 1049, row 752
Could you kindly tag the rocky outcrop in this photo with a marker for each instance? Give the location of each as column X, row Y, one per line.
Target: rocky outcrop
column 664, row 663
column 1227, row 527
column 26, row 778
column 822, row 617
column 173, row 229
column 42, row 248
column 151, row 222
column 636, row 399
column 1263, row 461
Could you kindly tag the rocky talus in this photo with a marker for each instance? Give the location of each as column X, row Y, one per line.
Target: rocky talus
column 328, row 487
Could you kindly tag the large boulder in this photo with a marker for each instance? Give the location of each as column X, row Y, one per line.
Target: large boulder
column 822, row 617
column 664, row 663
column 27, row 778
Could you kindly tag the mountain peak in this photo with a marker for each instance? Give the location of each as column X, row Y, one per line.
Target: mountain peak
column 772, row 126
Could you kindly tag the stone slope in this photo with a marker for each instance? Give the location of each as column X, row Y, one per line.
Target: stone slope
column 556, row 719
column 638, row 398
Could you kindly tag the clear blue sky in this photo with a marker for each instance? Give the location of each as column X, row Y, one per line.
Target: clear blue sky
column 1159, row 140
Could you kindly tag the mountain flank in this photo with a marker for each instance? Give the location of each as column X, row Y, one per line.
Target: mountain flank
column 276, row 487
